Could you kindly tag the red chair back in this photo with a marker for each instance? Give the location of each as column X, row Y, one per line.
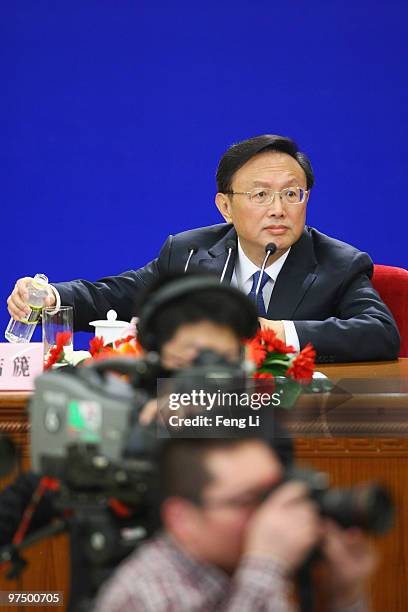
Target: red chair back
column 392, row 285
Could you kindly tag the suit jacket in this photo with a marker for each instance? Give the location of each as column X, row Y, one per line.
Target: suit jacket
column 324, row 287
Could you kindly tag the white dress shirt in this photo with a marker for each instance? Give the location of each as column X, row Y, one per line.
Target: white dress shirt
column 242, row 278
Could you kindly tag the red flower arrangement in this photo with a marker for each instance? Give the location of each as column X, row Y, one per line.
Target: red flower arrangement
column 124, row 346
column 97, row 349
column 56, row 353
column 273, row 358
column 303, row 365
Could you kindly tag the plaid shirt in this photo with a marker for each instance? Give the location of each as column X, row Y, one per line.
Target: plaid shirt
column 160, row 577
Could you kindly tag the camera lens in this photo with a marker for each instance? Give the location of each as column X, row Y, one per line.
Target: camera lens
column 366, row 506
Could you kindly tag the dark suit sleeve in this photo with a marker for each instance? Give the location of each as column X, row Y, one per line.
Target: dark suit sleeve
column 13, row 501
column 91, row 301
column 363, row 328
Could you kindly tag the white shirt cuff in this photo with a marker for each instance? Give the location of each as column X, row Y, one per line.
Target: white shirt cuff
column 57, row 298
column 292, row 339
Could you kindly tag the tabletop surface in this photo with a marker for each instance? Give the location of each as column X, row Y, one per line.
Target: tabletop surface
column 365, row 370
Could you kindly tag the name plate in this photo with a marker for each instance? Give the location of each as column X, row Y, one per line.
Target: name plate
column 20, row 364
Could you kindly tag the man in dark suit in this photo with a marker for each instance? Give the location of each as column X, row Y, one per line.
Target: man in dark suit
column 314, row 289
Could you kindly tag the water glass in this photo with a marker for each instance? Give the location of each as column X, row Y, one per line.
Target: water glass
column 54, row 322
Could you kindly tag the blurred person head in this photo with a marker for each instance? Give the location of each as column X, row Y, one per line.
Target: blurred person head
column 210, row 491
column 182, row 315
column 263, row 188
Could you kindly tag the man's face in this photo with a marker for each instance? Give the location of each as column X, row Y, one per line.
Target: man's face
column 277, row 222
column 241, row 474
column 191, row 338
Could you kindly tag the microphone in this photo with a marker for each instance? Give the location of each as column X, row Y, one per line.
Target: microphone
column 269, row 250
column 230, row 247
column 193, row 248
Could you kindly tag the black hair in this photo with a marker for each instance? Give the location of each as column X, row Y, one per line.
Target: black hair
column 182, row 469
column 182, row 465
column 219, row 304
column 241, row 152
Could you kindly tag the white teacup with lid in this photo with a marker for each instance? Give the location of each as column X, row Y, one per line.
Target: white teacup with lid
column 110, row 329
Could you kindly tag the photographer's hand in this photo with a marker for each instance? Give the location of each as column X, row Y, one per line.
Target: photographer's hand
column 285, row 527
column 351, row 559
column 149, row 412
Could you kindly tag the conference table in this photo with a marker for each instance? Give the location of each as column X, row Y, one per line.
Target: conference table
column 356, row 434
column 357, row 449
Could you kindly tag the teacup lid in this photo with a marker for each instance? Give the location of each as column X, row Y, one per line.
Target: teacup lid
column 110, row 321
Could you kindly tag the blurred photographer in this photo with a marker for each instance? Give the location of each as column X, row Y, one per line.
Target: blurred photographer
column 229, row 543
column 183, row 314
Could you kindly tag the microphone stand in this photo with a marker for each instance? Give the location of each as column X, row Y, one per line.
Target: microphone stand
column 230, row 247
column 269, row 250
column 191, row 251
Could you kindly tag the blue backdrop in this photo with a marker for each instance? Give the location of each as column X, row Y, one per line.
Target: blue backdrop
column 114, row 114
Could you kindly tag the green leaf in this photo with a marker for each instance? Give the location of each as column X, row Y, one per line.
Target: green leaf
column 274, row 369
column 279, row 356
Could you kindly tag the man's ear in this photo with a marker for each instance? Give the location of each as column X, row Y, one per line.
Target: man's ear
column 224, row 206
column 179, row 516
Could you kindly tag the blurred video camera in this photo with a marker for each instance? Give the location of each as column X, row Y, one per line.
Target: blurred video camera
column 84, row 422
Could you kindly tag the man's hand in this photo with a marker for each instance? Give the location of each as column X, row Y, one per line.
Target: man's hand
column 277, row 327
column 17, row 301
column 285, row 527
column 350, row 558
column 149, row 412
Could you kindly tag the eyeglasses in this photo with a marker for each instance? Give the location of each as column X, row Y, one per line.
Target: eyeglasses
column 263, row 196
column 246, row 500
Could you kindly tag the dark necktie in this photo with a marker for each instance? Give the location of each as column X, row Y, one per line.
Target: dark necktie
column 259, row 301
